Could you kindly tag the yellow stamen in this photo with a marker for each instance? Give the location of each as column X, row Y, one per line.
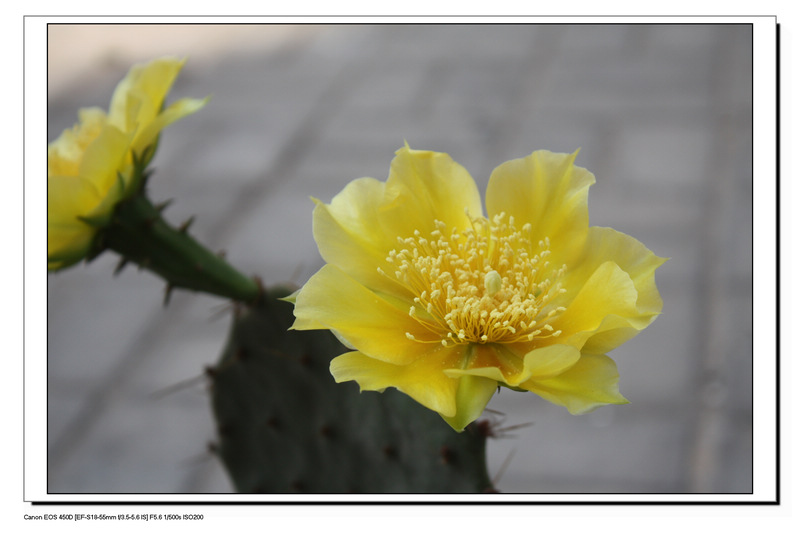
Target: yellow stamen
column 486, row 284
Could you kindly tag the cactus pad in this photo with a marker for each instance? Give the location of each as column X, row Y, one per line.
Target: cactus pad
column 285, row 426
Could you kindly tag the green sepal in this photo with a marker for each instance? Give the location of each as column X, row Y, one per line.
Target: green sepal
column 292, row 298
column 141, row 174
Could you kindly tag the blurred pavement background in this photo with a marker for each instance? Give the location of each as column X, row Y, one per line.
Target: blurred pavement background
column 662, row 114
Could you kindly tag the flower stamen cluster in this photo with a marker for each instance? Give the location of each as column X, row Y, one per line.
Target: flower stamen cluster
column 490, row 283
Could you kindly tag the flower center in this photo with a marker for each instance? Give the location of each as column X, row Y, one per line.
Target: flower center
column 487, row 284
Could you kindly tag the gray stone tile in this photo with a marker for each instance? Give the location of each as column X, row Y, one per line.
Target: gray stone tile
column 665, row 153
column 614, row 449
column 93, row 318
column 276, row 241
column 145, row 447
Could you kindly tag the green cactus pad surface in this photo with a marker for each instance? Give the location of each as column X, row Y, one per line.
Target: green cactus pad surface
column 285, row 426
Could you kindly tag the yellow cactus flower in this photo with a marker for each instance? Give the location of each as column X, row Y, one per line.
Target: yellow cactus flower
column 90, row 166
column 445, row 303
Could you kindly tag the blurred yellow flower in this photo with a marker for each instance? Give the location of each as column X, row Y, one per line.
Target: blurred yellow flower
column 445, row 304
column 90, row 166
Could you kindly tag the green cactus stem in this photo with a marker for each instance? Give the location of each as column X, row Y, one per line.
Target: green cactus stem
column 139, row 233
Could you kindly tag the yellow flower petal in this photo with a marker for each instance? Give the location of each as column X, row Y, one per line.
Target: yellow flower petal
column 550, row 193
column 64, row 155
column 92, row 192
column 350, row 235
column 422, row 379
column 139, row 98
column 541, row 363
column 425, row 186
column 606, row 244
column 472, row 395
column 103, row 158
column 550, row 361
column 140, row 95
column 68, row 195
column 56, row 264
column 617, row 279
column 68, row 239
column 365, row 320
column 590, row 383
column 175, row 112
column 73, row 243
column 361, row 225
column 606, row 301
